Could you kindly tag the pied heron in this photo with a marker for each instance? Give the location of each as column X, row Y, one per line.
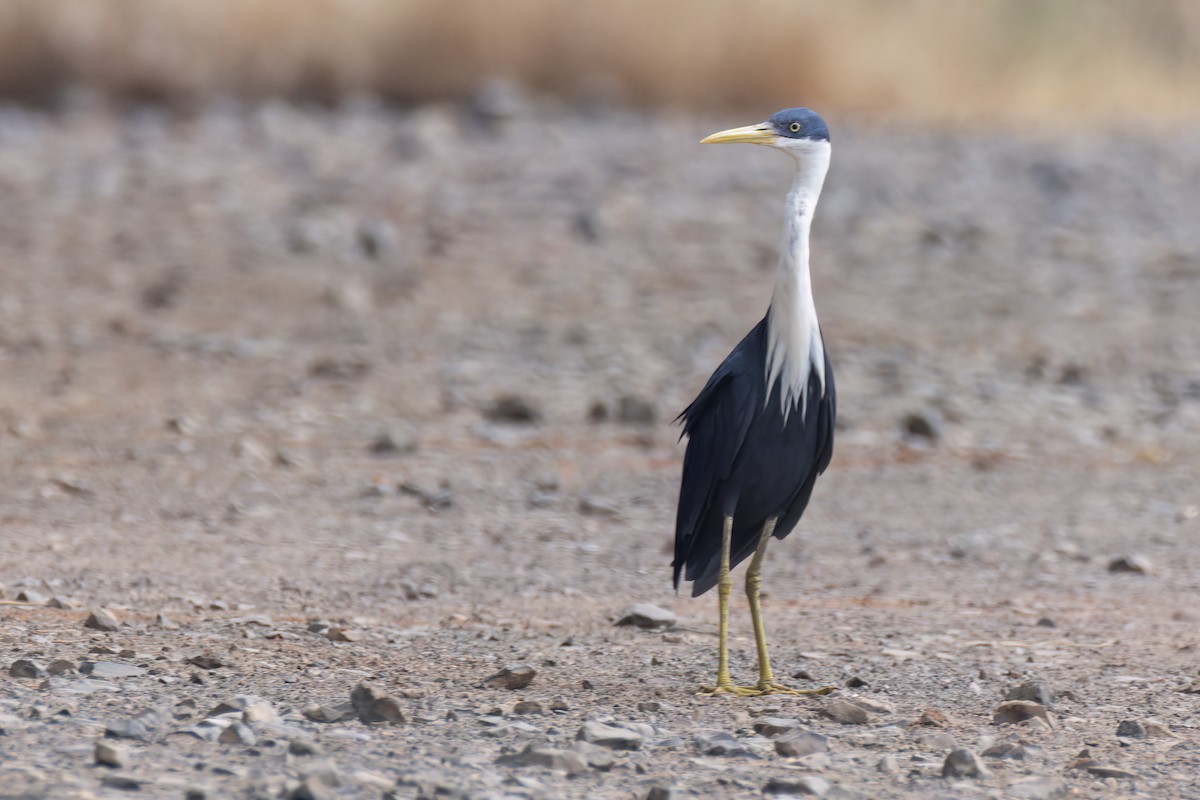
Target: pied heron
column 761, row 429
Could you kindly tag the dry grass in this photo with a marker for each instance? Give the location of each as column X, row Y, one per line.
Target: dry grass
column 1069, row 61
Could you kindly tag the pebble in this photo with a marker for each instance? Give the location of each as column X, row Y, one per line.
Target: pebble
column 300, row 746
column 932, row 718
column 774, row 726
column 964, row 763
column 636, row 411
column 101, row 619
column 338, row 634
column 27, row 668
column 597, row 757
column 609, row 736
column 127, row 783
column 528, row 707
column 1036, row 787
column 60, row 667
column 141, row 727
column 517, row 676
column 715, row 743
column 237, row 733
column 1136, row 564
column 649, row 707
column 513, row 409
column 111, row 755
column 1033, row 691
column 800, row 742
column 373, row 705
column 1012, row 711
column 253, row 709
column 647, row 616
column 110, row 670
column 207, row 661
column 661, row 792
column 1102, row 771
column 845, row 712
column 1131, row 728
column 1013, row 751
column 926, row 424
column 888, row 765
column 328, row 713
column 811, row 785
column 543, row 755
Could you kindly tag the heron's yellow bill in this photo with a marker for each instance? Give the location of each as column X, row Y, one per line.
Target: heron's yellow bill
column 761, row 133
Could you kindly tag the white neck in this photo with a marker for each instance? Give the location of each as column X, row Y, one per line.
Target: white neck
column 794, row 341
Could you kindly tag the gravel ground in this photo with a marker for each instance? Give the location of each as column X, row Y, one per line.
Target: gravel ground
column 306, row 399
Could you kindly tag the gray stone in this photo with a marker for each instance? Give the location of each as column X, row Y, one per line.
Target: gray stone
column 111, row 670
column 597, row 757
column 811, row 785
column 237, row 733
column 717, row 743
column 27, row 668
column 126, row 783
column 1135, row 564
column 141, row 727
column 300, row 746
column 661, row 792
column 774, row 726
column 253, row 709
column 372, row 705
column 888, row 765
column 111, row 755
column 542, row 755
column 1036, row 788
column 101, row 619
column 1033, row 691
column 648, row 616
column 329, row 713
column 1102, row 771
column 1013, row 751
column 517, row 676
column 800, row 742
column 1013, row 711
column 964, row 763
column 1131, row 729
column 60, row 666
column 609, row 736
column 528, row 707
column 841, row 710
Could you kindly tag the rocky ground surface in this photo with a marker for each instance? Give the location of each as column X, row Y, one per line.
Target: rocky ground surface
column 313, row 423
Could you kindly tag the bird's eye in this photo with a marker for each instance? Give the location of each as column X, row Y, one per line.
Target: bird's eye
column 794, row 127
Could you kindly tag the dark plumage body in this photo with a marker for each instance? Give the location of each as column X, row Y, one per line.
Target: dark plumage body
column 744, row 461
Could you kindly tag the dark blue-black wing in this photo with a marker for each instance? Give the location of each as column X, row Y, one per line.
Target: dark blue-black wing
column 715, row 424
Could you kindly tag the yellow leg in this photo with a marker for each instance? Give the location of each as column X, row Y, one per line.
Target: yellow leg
column 724, row 588
column 766, row 677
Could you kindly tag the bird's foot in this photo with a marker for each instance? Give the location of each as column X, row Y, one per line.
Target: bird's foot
column 775, row 687
column 727, row 687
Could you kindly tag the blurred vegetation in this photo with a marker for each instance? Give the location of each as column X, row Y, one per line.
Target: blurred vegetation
column 1008, row 61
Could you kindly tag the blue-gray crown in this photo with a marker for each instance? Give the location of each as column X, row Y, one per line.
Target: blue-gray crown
column 799, row 123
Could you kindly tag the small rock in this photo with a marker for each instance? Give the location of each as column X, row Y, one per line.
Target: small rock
column 30, row 596
column 609, row 736
column 302, row 747
column 253, row 709
column 661, row 792
column 101, row 619
column 1102, row 771
column 127, row 783
column 594, row 506
column 812, row 785
column 845, row 712
column 1036, row 788
column 390, row 443
column 206, row 661
column 542, row 755
column 1012, row 711
column 165, row 622
column 518, row 676
column 964, row 763
column 1131, row 728
column 514, row 410
column 800, row 742
column 597, row 757
column 648, row 616
column 1136, row 564
column 311, row 788
column 111, row 755
column 888, row 765
column 1033, row 691
column 373, row 705
column 774, row 726
column 337, row 634
column 60, row 667
column 110, row 670
column 1013, row 751
column 715, row 743
column 329, row 713
column 141, row 727
column 636, row 411
column 649, row 706
column 528, row 707
column 27, row 668
column 925, row 424
column 237, row 733
column 932, row 718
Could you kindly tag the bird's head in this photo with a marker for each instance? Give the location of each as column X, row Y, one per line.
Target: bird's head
column 798, row 131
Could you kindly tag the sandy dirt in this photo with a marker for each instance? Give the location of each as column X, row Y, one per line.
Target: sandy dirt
column 273, row 377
